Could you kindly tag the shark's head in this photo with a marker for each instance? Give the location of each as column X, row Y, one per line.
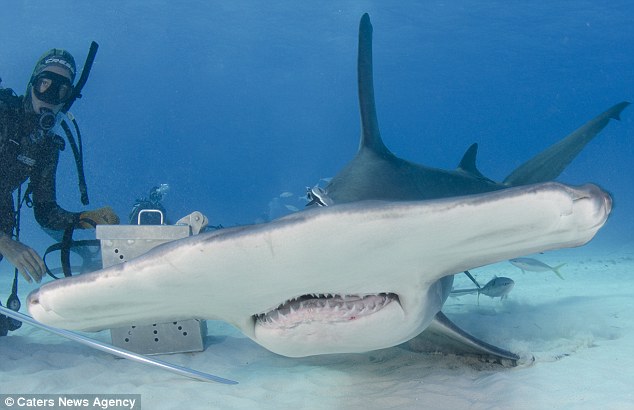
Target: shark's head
column 347, row 278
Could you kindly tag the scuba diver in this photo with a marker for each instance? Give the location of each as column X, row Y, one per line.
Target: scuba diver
column 152, row 203
column 29, row 150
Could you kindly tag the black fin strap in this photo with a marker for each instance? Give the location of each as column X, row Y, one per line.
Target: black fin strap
column 61, row 246
column 67, row 243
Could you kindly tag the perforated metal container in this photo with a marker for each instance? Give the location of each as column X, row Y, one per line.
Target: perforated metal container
column 120, row 243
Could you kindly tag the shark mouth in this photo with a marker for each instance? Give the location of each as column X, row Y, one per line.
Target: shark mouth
column 324, row 308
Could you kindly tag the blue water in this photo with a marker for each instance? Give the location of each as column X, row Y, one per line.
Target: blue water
column 233, row 102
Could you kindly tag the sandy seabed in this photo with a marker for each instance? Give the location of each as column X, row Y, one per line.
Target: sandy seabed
column 580, row 331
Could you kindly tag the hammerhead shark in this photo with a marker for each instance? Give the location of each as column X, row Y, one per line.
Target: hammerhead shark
column 376, row 173
column 370, row 271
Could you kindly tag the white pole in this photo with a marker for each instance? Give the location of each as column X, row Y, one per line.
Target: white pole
column 126, row 354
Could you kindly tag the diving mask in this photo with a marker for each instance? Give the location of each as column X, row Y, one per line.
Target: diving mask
column 52, row 88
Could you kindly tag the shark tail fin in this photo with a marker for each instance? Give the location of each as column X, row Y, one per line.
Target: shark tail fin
column 370, row 133
column 556, row 270
column 548, row 164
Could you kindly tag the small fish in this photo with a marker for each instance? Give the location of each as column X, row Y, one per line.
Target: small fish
column 533, row 265
column 498, row 287
column 317, row 196
column 291, row 208
column 286, row 194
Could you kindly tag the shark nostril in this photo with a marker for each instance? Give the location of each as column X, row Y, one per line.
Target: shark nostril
column 33, row 299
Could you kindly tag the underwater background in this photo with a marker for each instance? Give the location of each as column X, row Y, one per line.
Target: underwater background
column 233, row 103
column 241, row 105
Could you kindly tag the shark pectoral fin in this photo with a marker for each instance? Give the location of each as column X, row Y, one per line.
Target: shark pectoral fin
column 444, row 336
column 548, row 164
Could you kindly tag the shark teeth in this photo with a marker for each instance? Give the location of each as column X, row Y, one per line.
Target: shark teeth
column 323, row 308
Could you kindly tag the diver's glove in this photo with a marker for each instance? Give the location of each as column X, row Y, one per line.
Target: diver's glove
column 99, row 216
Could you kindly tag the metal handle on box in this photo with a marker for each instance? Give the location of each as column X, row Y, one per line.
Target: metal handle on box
column 149, row 211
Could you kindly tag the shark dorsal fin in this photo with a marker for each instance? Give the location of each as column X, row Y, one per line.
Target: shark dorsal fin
column 370, row 134
column 468, row 162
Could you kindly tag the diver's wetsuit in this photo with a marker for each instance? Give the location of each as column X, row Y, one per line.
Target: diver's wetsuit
column 27, row 152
